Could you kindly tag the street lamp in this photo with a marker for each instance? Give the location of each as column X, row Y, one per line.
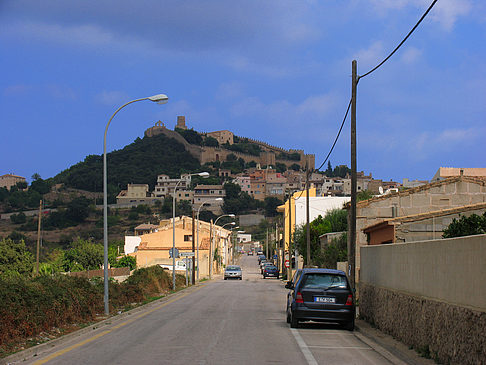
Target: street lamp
column 226, row 253
column 197, row 235
column 204, row 175
column 212, row 239
column 159, row 99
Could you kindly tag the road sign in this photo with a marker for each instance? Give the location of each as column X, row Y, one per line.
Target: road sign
column 173, row 252
column 275, row 257
column 287, row 264
column 187, row 254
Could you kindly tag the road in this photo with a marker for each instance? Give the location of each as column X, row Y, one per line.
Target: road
column 220, row 322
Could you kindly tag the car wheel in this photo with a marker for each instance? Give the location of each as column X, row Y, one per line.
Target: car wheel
column 349, row 325
column 225, row 278
column 241, row 278
column 294, row 323
column 288, row 317
column 264, row 276
column 277, row 276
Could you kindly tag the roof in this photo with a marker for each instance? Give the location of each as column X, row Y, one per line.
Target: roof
column 146, row 226
column 450, row 180
column 204, row 187
column 12, row 175
column 422, row 216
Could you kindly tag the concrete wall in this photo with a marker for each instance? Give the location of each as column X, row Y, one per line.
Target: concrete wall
column 430, row 295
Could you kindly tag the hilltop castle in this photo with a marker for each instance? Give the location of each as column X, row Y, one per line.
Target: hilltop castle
column 270, row 155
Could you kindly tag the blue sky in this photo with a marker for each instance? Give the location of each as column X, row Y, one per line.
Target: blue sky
column 273, row 70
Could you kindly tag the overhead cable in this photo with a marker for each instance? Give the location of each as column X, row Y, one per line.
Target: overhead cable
column 403, row 41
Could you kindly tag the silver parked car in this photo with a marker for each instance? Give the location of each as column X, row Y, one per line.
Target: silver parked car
column 233, row 272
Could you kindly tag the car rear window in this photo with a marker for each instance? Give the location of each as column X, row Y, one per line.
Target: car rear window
column 324, row 281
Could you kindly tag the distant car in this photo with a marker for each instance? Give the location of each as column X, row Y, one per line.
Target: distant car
column 260, row 258
column 264, row 265
column 233, row 272
column 270, row 270
column 322, row 295
column 260, row 253
column 250, row 253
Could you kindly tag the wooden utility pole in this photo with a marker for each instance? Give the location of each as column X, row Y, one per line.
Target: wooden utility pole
column 193, row 248
column 352, row 223
column 307, row 205
column 266, row 249
column 38, row 238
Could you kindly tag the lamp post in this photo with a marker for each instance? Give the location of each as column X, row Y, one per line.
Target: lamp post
column 159, row 99
column 212, row 239
column 197, row 235
column 204, row 175
column 226, row 253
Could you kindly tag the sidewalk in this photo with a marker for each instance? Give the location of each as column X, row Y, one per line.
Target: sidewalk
column 388, row 347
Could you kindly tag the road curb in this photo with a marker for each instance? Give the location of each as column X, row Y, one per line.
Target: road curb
column 31, row 352
column 394, row 351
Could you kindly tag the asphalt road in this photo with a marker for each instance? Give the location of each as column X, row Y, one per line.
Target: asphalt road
column 220, row 322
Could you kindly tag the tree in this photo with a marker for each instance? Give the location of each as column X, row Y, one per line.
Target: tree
column 328, row 171
column 364, row 195
column 78, row 209
column 271, row 204
column 83, row 255
column 41, row 186
column 295, row 167
column 127, row 261
column 18, row 218
column 334, row 221
column 466, row 226
column 15, row 259
column 211, row 142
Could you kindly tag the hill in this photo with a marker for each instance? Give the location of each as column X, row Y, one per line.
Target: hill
column 139, row 163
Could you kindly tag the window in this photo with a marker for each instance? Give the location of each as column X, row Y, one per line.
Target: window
column 324, row 281
column 188, row 238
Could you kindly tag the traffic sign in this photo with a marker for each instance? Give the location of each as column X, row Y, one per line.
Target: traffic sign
column 173, row 252
column 287, row 264
column 275, row 257
column 187, row 254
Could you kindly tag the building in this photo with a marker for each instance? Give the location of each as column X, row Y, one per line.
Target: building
column 9, row 180
column 153, row 248
column 318, row 206
column 450, row 193
column 418, row 227
column 165, row 185
column 407, row 183
column 135, row 193
column 445, row 172
column 244, row 183
column 207, row 194
column 222, row 136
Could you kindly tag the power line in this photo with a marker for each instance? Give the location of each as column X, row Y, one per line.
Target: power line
column 403, row 41
column 337, row 137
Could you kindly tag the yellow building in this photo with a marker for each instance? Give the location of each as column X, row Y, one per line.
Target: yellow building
column 154, row 247
column 284, row 209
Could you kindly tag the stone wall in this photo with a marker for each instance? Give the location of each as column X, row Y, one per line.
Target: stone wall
column 447, row 333
column 430, row 295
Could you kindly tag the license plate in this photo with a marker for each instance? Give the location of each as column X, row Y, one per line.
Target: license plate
column 324, row 300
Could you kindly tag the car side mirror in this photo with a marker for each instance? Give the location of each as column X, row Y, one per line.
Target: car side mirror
column 289, row 285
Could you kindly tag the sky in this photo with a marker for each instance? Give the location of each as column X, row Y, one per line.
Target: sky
column 275, row 70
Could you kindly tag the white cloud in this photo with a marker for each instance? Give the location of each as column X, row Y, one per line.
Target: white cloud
column 19, row 89
column 370, row 56
column 285, row 113
column 444, row 12
column 112, row 97
column 411, row 55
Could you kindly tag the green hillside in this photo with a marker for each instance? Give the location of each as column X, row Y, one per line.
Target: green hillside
column 139, row 163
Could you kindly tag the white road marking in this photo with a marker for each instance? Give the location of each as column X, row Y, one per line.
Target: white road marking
column 303, row 347
column 340, row 347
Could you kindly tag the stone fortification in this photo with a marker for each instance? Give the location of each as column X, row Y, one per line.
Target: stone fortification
column 209, row 154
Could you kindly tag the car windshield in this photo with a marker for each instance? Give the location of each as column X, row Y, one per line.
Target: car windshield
column 324, row 281
column 233, row 268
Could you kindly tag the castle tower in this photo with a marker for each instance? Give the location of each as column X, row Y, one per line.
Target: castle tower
column 181, row 122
